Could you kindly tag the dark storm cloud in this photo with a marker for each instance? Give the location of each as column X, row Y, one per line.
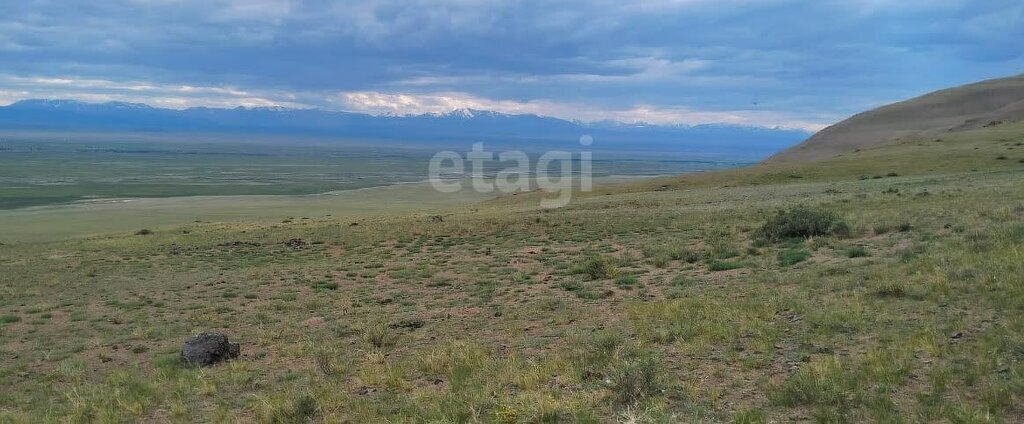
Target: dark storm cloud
column 785, row 62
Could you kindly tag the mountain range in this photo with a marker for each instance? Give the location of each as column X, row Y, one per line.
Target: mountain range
column 463, row 125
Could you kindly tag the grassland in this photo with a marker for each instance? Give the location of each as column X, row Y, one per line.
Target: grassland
column 81, row 219
column 657, row 301
column 55, row 169
column 36, row 172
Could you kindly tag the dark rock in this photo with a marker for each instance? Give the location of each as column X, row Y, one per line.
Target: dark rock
column 295, row 243
column 207, row 349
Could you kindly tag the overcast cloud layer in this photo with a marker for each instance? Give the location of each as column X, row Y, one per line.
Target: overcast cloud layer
column 772, row 62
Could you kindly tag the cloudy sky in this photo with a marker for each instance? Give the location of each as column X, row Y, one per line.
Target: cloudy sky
column 790, row 63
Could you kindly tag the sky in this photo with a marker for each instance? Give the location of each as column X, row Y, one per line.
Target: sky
column 776, row 63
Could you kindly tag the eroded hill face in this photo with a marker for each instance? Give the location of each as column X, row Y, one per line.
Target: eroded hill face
column 969, row 107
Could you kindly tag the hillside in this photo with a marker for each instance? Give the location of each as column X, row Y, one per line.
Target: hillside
column 962, row 108
column 659, row 301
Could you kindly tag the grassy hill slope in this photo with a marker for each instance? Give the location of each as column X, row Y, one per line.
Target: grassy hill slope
column 659, row 301
column 968, row 107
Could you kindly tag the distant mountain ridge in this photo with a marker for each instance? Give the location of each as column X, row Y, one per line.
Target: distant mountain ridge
column 961, row 108
column 458, row 125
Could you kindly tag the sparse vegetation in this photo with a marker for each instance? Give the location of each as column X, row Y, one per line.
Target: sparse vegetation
column 689, row 307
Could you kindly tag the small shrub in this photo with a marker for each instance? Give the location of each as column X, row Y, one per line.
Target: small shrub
column 891, row 289
column 593, row 295
column 800, row 222
column 856, row 252
column 686, row 255
column 324, row 285
column 722, row 245
column 583, row 292
column 681, row 281
column 593, row 354
column 661, row 261
column 978, row 241
column 8, row 319
column 720, row 265
column 297, row 410
column 750, row 416
column 819, row 383
column 626, row 281
column 660, row 256
column 379, row 335
column 143, row 232
column 652, row 251
column 908, row 254
column 626, row 259
column 597, row 268
column 323, row 356
column 570, row 286
column 634, row 377
column 841, row 229
column 819, row 243
column 790, row 257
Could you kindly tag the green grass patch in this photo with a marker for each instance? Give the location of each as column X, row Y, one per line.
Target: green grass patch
column 790, row 257
column 856, row 252
column 717, row 265
column 626, row 281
